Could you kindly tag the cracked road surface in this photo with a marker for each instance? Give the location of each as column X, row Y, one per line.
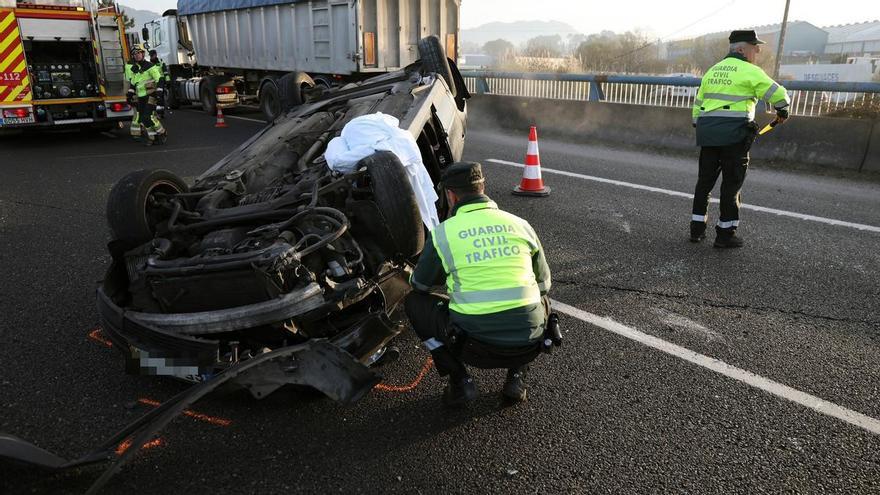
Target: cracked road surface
column 798, row 306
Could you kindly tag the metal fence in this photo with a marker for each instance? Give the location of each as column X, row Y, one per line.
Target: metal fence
column 808, row 98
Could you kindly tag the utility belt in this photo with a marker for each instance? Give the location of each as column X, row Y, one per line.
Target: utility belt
column 479, row 354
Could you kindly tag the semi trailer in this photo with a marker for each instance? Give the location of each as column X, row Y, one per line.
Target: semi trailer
column 270, row 52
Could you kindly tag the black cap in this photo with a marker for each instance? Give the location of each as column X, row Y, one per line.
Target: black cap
column 462, row 175
column 745, row 36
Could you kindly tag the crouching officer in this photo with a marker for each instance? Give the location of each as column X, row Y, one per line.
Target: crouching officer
column 724, row 114
column 145, row 80
column 497, row 278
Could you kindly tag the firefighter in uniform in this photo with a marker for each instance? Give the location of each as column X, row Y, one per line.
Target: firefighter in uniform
column 723, row 114
column 165, row 86
column 145, row 81
column 497, row 278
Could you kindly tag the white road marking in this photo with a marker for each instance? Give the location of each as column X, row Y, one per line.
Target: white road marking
column 245, row 118
column 677, row 321
column 226, row 115
column 767, row 385
column 784, row 213
column 151, row 151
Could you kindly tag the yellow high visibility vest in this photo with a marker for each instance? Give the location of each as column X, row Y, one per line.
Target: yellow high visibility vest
column 487, row 255
column 732, row 88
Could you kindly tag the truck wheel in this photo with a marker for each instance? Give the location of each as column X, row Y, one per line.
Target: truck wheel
column 208, row 99
column 434, row 60
column 130, row 212
column 270, row 101
column 290, row 88
column 396, row 200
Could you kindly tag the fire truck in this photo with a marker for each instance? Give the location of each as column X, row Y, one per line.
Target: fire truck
column 62, row 65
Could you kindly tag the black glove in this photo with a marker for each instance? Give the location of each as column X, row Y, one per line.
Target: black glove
column 782, row 113
column 130, row 95
column 694, row 125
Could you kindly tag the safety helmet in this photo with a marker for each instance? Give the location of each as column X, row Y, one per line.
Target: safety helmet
column 137, row 49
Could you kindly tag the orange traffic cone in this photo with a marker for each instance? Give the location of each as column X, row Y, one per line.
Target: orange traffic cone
column 221, row 121
column 532, row 184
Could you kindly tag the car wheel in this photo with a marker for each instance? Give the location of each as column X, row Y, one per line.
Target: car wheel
column 396, row 200
column 130, row 212
column 209, row 100
column 434, row 60
column 270, row 101
column 290, row 88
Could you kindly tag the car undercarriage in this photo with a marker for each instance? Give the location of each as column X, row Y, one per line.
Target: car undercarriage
column 273, row 268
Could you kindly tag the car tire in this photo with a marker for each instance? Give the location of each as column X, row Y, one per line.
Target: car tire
column 397, row 203
column 208, row 99
column 434, row 59
column 290, row 89
column 270, row 101
column 129, row 215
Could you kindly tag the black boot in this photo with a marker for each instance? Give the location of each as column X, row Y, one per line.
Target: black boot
column 460, row 391
column 727, row 238
column 698, row 231
column 515, row 385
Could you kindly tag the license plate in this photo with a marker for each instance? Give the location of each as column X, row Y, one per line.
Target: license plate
column 18, row 120
column 157, row 365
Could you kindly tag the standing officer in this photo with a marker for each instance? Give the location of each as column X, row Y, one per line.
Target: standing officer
column 724, row 113
column 497, row 280
column 165, row 85
column 144, row 79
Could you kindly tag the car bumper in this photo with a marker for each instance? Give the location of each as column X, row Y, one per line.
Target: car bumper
column 173, row 344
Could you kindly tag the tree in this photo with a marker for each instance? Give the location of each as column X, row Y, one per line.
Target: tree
column 631, row 51
column 708, row 51
column 128, row 22
column 502, row 51
column 597, row 52
column 572, row 42
column 544, row 47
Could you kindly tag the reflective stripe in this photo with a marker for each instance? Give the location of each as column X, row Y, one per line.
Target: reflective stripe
column 420, row 286
column 432, row 344
column 531, row 172
column 698, row 102
column 726, row 113
column 533, row 148
column 724, row 97
column 495, row 295
column 770, row 92
column 728, row 225
column 699, row 218
column 446, row 253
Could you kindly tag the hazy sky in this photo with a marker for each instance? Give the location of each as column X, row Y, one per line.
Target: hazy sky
column 665, row 19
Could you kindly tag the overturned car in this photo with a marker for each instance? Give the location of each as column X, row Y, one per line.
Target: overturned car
column 272, row 268
column 272, row 249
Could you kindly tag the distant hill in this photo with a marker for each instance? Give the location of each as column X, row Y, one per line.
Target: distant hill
column 516, row 32
column 140, row 17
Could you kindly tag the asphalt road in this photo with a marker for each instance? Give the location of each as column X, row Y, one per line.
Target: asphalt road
column 797, row 306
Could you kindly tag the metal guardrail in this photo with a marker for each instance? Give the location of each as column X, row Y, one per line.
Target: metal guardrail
column 808, row 98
